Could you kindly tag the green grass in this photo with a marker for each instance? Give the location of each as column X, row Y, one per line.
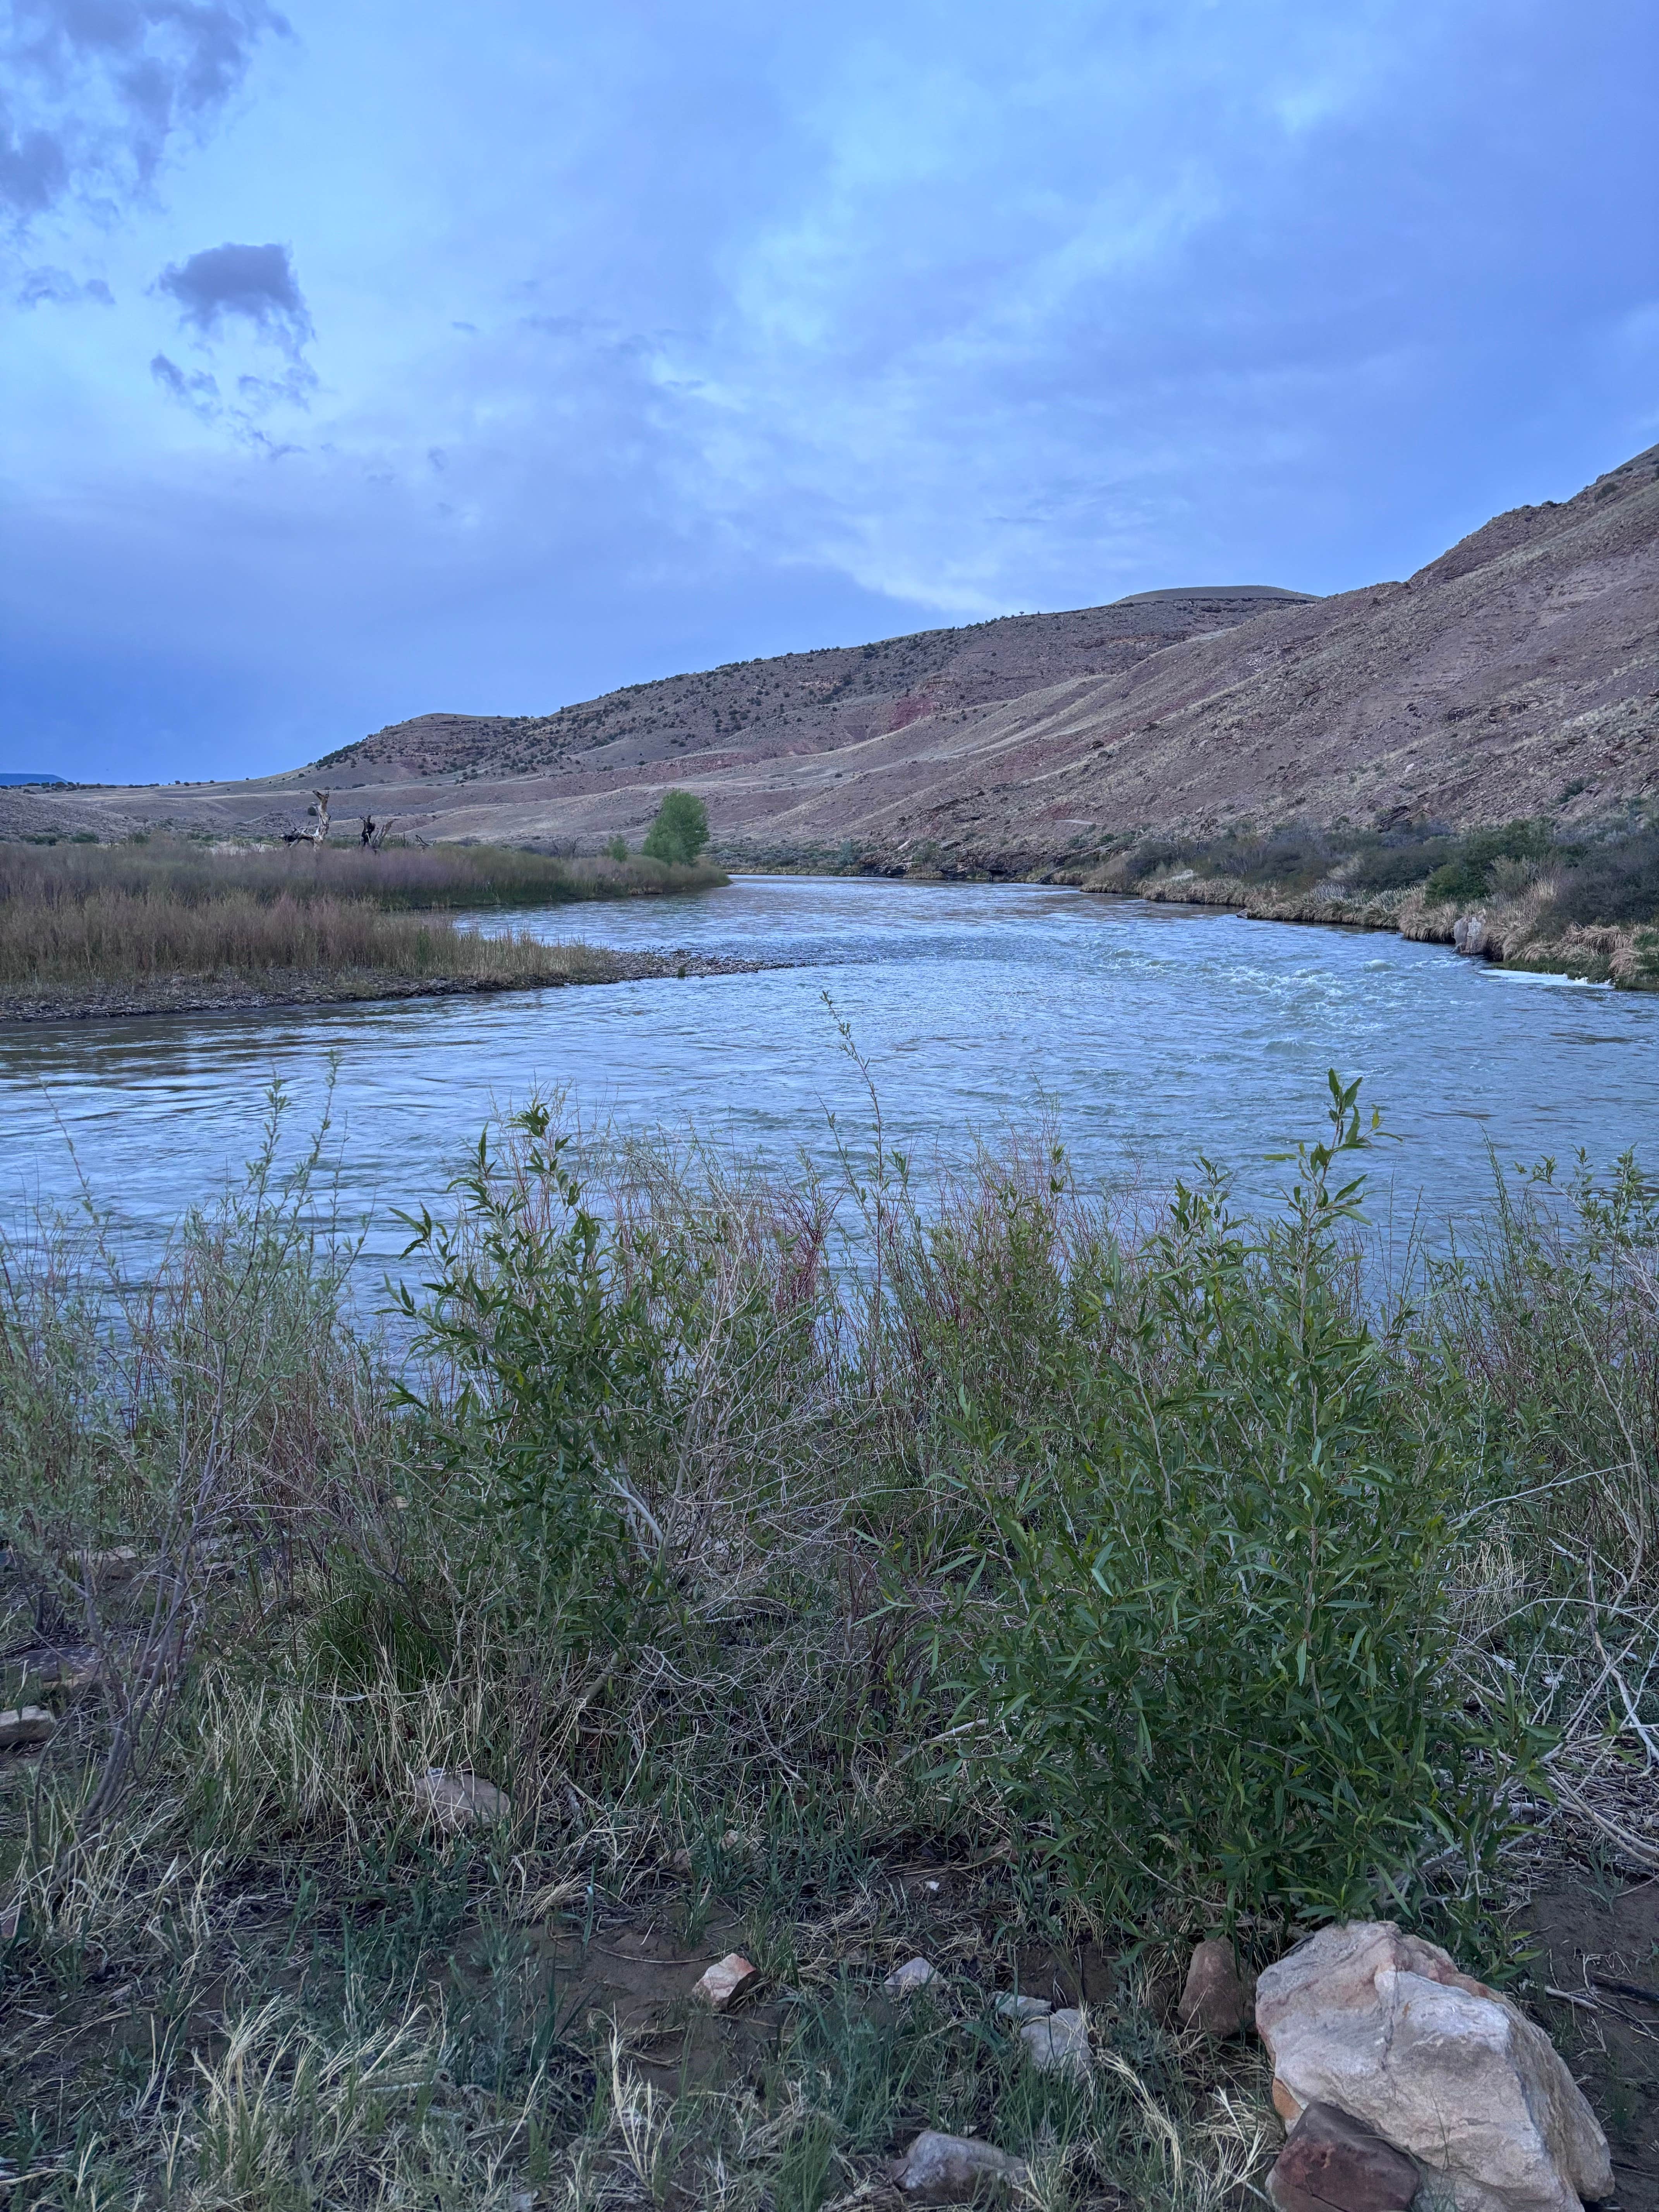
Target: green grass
column 716, row 1515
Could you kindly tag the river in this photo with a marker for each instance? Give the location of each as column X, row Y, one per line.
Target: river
column 1148, row 1033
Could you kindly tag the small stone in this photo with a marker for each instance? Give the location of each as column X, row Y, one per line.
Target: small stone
column 1333, row 2162
column 952, row 2169
column 72, row 1676
column 914, row 1974
column 118, row 1564
column 24, row 1728
column 1060, row 2044
column 1020, row 2009
column 681, row 1862
column 460, row 1799
column 1216, row 2000
column 726, row 1982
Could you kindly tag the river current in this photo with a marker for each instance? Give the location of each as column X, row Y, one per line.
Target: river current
column 1145, row 1035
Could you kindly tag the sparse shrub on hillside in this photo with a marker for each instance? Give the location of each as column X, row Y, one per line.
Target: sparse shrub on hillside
column 680, row 830
column 617, row 848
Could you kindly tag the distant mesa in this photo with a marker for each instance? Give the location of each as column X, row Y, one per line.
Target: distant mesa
column 22, row 775
column 1215, row 592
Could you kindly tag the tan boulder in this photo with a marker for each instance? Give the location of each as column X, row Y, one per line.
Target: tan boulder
column 1384, row 2025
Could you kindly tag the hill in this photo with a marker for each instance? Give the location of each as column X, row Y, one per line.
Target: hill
column 1518, row 673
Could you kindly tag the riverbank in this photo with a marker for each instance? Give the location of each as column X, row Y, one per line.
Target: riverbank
column 562, row 965
column 408, row 1735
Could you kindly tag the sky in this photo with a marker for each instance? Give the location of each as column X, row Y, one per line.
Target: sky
column 363, row 359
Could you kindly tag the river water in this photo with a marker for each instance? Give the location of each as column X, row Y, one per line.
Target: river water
column 1148, row 1033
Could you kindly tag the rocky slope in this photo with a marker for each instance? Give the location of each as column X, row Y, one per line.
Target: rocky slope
column 1518, row 673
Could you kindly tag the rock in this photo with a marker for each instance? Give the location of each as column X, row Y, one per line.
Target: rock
column 1058, row 2044
column 726, row 1981
column 1383, row 2026
column 952, row 2169
column 1333, row 2163
column 1216, row 2000
column 25, row 1728
column 914, row 1974
column 118, row 1564
column 72, row 1675
column 460, row 1799
column 1020, row 2009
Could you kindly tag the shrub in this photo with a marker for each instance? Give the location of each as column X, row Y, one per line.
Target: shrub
column 1465, row 875
column 680, row 830
column 1218, row 1656
column 1616, row 882
column 617, row 848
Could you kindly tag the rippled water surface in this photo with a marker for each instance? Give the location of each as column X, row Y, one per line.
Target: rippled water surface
column 1150, row 1034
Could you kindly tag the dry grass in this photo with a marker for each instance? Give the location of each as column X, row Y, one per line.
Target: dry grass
column 142, row 912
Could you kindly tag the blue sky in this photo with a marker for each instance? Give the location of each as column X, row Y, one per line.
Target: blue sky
column 367, row 358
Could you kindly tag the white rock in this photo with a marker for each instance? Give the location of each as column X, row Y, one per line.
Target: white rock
column 951, row 2169
column 23, row 1728
column 726, row 1981
column 1021, row 2009
column 1060, row 2044
column 456, row 1799
column 914, row 1974
column 1383, row 2026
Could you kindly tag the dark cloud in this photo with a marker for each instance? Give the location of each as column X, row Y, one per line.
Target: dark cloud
column 94, row 92
column 254, row 282
column 57, row 287
column 198, row 391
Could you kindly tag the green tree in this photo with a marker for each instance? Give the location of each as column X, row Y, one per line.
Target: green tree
column 617, row 848
column 680, row 830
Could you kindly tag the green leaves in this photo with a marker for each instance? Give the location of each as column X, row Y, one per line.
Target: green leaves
column 680, row 830
column 560, row 1372
column 1218, row 1656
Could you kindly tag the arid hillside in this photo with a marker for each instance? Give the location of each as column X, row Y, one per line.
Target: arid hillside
column 1517, row 674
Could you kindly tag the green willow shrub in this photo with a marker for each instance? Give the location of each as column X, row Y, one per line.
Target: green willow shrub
column 560, row 1371
column 1219, row 1653
column 680, row 830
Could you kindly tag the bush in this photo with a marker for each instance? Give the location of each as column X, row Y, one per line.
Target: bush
column 680, row 830
column 1618, row 882
column 617, row 848
column 1465, row 876
column 1219, row 1657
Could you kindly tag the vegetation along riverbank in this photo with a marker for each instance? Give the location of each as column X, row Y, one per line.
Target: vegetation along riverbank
column 838, row 1574
column 164, row 924
column 1527, row 894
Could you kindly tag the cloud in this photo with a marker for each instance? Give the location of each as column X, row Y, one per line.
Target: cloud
column 254, row 282
column 97, row 91
column 199, row 390
column 40, row 286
